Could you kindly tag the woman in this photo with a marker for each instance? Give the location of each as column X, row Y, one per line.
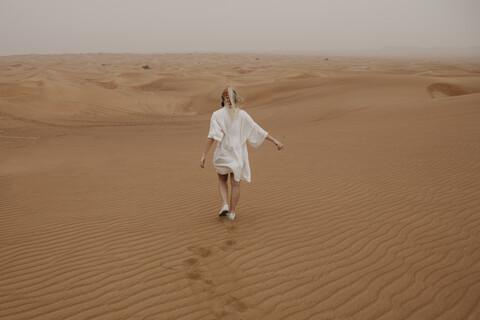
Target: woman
column 232, row 128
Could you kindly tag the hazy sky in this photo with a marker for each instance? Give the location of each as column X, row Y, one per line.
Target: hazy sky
column 151, row 26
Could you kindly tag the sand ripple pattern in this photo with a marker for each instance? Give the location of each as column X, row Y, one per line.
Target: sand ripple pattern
column 372, row 211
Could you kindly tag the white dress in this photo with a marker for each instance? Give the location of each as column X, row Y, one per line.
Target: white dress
column 232, row 135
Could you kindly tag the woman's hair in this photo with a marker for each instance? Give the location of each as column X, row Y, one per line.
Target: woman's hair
column 229, row 96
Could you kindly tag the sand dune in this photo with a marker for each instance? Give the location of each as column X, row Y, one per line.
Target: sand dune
column 449, row 90
column 372, row 211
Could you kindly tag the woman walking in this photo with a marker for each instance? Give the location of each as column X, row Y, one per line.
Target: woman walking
column 232, row 128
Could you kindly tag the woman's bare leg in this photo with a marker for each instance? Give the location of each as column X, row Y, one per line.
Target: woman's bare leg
column 235, row 195
column 223, row 186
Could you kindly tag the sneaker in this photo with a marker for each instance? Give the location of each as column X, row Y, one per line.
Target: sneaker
column 224, row 210
column 231, row 215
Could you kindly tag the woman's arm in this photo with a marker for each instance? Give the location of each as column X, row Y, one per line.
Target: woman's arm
column 207, row 148
column 276, row 142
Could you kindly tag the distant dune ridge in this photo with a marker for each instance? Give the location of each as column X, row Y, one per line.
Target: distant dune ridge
column 372, row 211
column 449, row 90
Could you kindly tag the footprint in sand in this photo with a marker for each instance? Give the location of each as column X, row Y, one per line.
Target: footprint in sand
column 231, row 228
column 236, row 304
column 228, row 244
column 201, row 251
column 228, row 305
column 194, row 274
column 190, row 261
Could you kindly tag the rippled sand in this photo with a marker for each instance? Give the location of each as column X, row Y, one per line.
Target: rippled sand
column 372, row 211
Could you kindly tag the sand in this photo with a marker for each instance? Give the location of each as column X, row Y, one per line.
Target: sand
column 372, row 211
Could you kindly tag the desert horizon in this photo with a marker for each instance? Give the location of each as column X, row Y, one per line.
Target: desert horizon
column 385, row 52
column 372, row 211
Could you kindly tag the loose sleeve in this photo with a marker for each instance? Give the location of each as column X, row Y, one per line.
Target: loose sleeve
column 255, row 134
column 215, row 129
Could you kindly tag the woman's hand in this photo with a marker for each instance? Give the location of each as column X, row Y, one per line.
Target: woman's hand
column 278, row 144
column 207, row 147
